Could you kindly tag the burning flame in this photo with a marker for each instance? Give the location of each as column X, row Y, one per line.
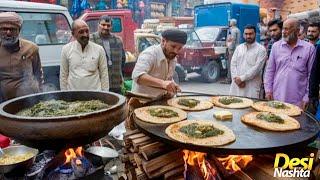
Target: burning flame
column 235, row 162
column 71, row 154
column 193, row 158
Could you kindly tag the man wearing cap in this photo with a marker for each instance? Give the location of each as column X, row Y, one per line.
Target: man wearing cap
column 20, row 66
column 153, row 72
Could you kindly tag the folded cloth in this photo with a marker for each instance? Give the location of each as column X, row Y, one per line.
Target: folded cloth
column 4, row 141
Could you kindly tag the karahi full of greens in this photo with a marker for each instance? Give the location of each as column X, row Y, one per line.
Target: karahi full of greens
column 54, row 108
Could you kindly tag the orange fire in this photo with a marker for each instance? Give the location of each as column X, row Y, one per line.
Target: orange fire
column 235, row 162
column 193, row 158
column 71, row 154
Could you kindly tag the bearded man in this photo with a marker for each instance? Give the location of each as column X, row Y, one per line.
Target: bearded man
column 153, row 72
column 289, row 66
column 246, row 65
column 20, row 67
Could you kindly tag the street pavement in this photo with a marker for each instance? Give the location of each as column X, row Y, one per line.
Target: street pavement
column 195, row 83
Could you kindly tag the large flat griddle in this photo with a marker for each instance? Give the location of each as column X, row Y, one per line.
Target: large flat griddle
column 249, row 139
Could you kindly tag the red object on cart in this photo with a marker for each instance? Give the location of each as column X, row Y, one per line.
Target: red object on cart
column 4, row 141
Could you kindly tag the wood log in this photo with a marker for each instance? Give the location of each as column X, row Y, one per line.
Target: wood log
column 140, row 174
column 162, row 164
column 153, row 150
column 159, row 172
column 174, row 173
column 135, row 136
column 138, row 159
column 162, row 160
column 131, row 132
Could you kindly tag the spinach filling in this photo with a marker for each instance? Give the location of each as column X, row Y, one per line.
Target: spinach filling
column 191, row 103
column 53, row 107
column 277, row 105
column 270, row 117
column 230, row 100
column 200, row 131
column 162, row 112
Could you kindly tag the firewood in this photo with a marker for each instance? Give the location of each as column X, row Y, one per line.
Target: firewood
column 155, row 149
column 137, row 159
column 140, row 140
column 140, row 174
column 162, row 164
column 136, row 146
column 135, row 136
column 174, row 172
column 162, row 170
column 162, row 160
column 131, row 132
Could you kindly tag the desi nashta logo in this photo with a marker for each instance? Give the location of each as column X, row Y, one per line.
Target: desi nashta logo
column 295, row 167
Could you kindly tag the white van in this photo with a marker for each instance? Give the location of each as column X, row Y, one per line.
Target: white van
column 47, row 25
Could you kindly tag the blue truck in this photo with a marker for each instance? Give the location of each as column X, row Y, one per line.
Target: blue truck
column 219, row 14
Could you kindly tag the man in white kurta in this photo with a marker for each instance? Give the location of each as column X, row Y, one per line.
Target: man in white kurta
column 246, row 66
column 83, row 63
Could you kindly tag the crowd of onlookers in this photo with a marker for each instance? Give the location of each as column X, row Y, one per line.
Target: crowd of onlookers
column 284, row 67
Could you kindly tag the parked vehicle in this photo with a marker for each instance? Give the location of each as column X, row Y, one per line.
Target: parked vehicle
column 142, row 41
column 199, row 54
column 47, row 25
column 122, row 25
column 220, row 14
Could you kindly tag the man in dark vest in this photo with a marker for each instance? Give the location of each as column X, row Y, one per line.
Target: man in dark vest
column 113, row 47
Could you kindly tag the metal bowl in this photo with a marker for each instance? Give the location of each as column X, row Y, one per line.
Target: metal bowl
column 105, row 153
column 20, row 166
column 63, row 131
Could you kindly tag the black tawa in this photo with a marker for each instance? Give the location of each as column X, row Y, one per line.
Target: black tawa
column 249, row 139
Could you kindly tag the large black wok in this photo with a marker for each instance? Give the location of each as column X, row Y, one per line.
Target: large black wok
column 63, row 131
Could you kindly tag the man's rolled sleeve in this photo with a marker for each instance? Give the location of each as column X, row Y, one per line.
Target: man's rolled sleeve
column 143, row 66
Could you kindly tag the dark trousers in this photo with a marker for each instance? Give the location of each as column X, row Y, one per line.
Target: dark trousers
column 230, row 53
column 115, row 90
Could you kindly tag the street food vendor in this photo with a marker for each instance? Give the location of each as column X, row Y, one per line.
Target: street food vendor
column 20, row 66
column 153, row 72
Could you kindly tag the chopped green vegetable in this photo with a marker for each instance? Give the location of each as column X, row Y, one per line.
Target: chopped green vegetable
column 229, row 100
column 200, row 131
column 162, row 112
column 191, row 103
column 53, row 107
column 277, row 105
column 270, row 117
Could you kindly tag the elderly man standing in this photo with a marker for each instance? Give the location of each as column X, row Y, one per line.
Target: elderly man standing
column 233, row 40
column 20, row 66
column 289, row 66
column 246, row 65
column 115, row 54
column 153, row 72
column 83, row 63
